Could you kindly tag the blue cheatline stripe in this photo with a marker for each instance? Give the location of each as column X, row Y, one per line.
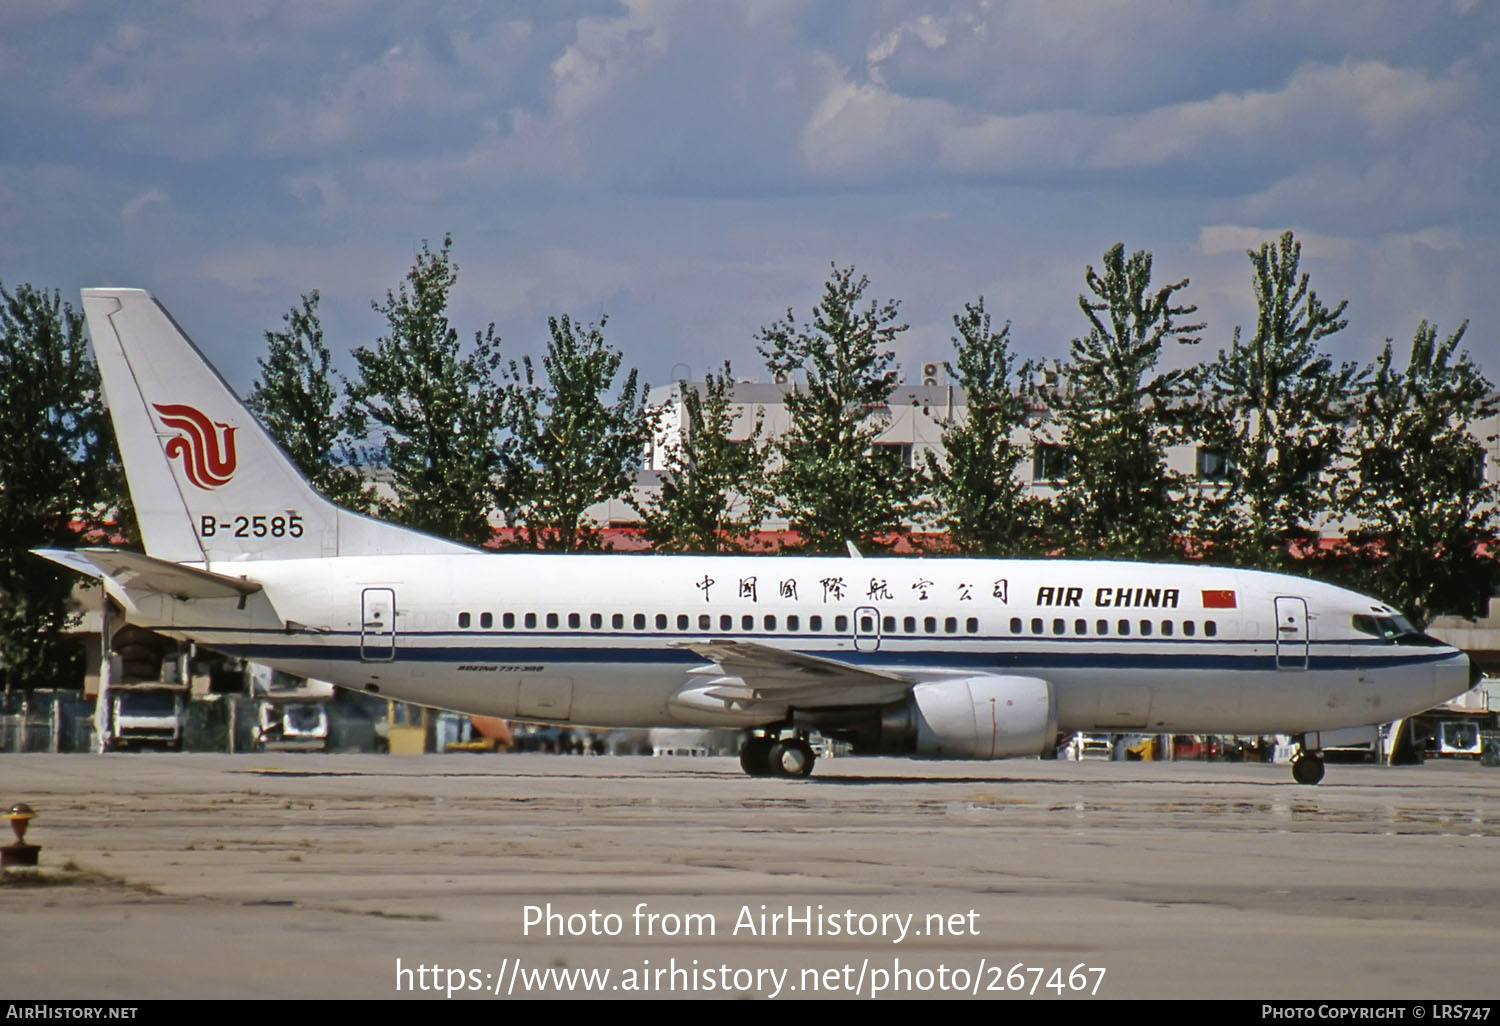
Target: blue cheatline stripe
column 987, row 658
column 477, row 638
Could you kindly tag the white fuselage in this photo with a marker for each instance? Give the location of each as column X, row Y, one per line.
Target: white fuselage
column 595, row 639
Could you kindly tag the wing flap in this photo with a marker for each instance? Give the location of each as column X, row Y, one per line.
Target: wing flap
column 752, row 671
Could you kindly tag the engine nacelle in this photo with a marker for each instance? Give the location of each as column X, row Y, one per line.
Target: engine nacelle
column 985, row 718
column 981, row 717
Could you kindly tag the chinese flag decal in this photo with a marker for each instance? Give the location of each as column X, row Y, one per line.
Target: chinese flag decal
column 1218, row 600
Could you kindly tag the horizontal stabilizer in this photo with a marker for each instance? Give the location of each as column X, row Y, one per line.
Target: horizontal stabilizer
column 137, row 573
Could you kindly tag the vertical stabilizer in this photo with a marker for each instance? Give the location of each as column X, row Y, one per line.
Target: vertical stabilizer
column 208, row 482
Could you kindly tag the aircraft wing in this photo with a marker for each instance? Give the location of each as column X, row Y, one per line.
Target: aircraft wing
column 750, row 671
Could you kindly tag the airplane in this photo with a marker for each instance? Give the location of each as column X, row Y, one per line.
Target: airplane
column 929, row 657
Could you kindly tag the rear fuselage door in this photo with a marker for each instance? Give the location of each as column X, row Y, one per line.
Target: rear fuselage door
column 1291, row 633
column 377, row 625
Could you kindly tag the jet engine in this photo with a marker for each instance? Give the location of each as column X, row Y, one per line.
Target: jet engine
column 981, row 717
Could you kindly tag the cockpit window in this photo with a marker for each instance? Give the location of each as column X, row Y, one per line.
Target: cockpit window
column 1376, row 626
column 1395, row 629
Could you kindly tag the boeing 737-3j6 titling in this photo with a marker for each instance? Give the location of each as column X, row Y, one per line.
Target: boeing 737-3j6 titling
column 938, row 658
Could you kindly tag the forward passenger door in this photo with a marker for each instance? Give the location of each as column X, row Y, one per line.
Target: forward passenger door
column 1291, row 633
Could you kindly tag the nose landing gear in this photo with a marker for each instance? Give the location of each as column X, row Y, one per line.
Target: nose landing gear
column 1307, row 767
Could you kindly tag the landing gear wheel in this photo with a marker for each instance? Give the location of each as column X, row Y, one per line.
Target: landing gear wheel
column 792, row 758
column 1307, row 769
column 755, row 756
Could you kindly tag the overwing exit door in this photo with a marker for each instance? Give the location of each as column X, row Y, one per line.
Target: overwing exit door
column 866, row 629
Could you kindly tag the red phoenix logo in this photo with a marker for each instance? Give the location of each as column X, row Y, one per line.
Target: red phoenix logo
column 206, row 447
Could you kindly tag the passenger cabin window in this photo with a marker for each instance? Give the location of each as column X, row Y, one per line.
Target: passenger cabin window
column 909, row 624
column 1016, row 625
column 815, row 623
column 950, row 625
column 661, row 621
column 1145, row 628
column 463, row 619
column 929, row 624
column 889, row 625
column 508, row 621
column 575, row 621
column 705, row 622
column 1059, row 626
column 726, row 623
column 792, row 622
column 1101, row 627
column 1189, row 628
column 552, row 621
column 1166, row 628
column 770, row 622
column 1080, row 626
column 1036, row 625
column 486, row 620
column 596, row 621
column 841, row 623
column 530, row 621
column 1210, row 628
column 682, row 621
column 1122, row 628
column 972, row 625
column 747, row 622
column 867, row 624
column 639, row 620
column 617, row 621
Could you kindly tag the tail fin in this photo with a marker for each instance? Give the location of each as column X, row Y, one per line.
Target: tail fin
column 208, row 482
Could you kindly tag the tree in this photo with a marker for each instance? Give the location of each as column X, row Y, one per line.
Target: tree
column 570, row 447
column 980, row 502
column 713, row 494
column 59, row 479
column 1119, row 414
column 1426, row 514
column 834, row 483
column 1272, row 420
column 439, row 409
column 296, row 400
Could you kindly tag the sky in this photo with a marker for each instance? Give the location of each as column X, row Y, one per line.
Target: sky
column 691, row 170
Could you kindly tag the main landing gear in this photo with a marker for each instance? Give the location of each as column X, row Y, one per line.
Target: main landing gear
column 1307, row 766
column 775, row 756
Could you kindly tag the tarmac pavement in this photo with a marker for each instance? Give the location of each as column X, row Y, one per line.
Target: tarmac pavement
column 493, row 876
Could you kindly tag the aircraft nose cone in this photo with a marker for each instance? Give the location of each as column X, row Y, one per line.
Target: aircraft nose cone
column 1452, row 677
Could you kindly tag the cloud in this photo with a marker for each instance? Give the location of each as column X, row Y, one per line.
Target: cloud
column 130, row 213
column 693, row 167
column 1217, row 239
column 403, row 81
column 1327, row 112
column 1319, row 109
column 1388, row 192
column 320, row 191
column 351, row 270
